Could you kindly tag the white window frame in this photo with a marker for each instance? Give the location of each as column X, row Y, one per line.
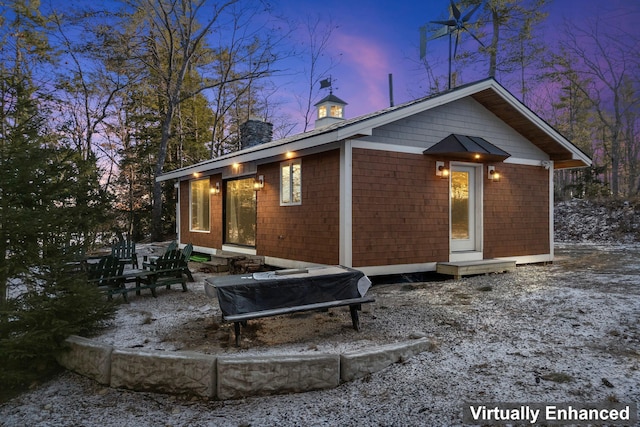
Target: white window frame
column 207, row 197
column 290, row 192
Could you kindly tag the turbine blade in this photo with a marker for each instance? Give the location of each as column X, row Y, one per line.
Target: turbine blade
column 466, row 17
column 455, row 10
column 450, row 22
column 473, row 35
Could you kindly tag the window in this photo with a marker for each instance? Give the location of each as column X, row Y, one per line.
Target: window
column 322, row 112
column 200, row 205
column 336, row 111
column 291, row 183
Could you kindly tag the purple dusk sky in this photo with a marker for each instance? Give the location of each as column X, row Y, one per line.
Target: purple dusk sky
column 375, row 38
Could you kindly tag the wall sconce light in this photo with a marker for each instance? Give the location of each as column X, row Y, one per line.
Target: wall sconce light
column 493, row 174
column 258, row 184
column 441, row 170
column 216, row 189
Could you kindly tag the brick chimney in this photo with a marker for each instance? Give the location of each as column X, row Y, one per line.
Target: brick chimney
column 255, row 131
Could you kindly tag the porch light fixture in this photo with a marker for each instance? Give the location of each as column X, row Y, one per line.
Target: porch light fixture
column 493, row 174
column 216, row 189
column 441, row 170
column 258, row 184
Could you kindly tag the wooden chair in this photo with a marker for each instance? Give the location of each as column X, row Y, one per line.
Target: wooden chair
column 150, row 264
column 107, row 276
column 186, row 255
column 182, row 256
column 168, row 269
column 125, row 250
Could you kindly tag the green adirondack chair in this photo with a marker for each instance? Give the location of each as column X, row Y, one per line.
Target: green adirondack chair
column 125, row 250
column 106, row 274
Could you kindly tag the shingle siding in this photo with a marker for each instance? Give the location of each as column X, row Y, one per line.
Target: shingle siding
column 400, row 210
column 307, row 232
column 516, row 212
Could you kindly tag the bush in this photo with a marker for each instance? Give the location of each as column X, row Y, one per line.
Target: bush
column 34, row 325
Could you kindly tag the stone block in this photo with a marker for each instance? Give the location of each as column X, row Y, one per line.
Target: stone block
column 87, row 357
column 357, row 364
column 179, row 372
column 259, row 375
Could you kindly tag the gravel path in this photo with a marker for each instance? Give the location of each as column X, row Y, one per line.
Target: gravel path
column 567, row 332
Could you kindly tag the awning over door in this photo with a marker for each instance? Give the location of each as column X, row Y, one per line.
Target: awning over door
column 467, row 148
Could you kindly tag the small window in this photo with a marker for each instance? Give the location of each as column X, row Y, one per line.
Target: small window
column 200, row 205
column 291, row 183
column 336, row 111
column 322, row 112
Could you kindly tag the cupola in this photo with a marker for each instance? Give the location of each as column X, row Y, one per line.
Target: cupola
column 330, row 110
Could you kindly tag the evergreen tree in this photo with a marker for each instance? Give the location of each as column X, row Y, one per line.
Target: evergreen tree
column 49, row 198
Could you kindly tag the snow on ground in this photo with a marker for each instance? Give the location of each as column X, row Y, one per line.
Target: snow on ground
column 567, row 332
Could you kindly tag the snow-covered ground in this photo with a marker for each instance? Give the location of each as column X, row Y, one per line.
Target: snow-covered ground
column 567, row 332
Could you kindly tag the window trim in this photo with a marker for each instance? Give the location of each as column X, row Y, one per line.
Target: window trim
column 290, row 164
column 191, row 201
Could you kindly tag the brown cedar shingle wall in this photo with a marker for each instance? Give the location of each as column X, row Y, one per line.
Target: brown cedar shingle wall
column 400, row 209
column 212, row 239
column 307, row 232
column 516, row 212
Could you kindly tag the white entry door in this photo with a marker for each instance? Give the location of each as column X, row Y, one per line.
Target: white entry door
column 465, row 215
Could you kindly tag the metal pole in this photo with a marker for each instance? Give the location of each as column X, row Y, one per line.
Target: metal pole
column 449, row 29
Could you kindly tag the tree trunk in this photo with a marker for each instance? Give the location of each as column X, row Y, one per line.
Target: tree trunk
column 493, row 58
column 156, row 211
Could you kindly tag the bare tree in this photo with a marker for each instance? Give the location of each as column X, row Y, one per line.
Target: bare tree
column 320, row 62
column 174, row 39
column 607, row 65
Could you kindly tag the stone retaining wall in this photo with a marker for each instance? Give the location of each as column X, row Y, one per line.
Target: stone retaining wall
column 228, row 376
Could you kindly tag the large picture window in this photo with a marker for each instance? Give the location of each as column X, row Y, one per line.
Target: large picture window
column 200, row 205
column 291, row 183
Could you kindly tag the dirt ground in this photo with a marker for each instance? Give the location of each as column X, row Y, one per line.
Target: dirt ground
column 566, row 332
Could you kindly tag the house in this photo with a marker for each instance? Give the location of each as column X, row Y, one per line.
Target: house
column 463, row 175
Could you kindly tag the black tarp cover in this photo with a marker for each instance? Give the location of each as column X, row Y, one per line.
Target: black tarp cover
column 256, row 292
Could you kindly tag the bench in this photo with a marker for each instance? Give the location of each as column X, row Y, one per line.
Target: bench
column 355, row 305
column 247, row 297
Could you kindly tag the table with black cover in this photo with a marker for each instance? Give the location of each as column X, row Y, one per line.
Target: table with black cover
column 250, row 296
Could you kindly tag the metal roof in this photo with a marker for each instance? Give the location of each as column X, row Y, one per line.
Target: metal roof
column 469, row 148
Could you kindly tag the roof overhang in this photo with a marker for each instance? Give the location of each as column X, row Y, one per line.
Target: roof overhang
column 510, row 110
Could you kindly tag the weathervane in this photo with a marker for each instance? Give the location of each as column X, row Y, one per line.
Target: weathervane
column 456, row 24
column 326, row 83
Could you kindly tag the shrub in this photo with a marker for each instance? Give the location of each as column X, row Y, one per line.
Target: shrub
column 34, row 325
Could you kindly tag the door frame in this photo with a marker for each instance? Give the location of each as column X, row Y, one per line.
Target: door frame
column 476, row 253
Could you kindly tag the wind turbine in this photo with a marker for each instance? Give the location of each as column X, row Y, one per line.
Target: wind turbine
column 456, row 25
